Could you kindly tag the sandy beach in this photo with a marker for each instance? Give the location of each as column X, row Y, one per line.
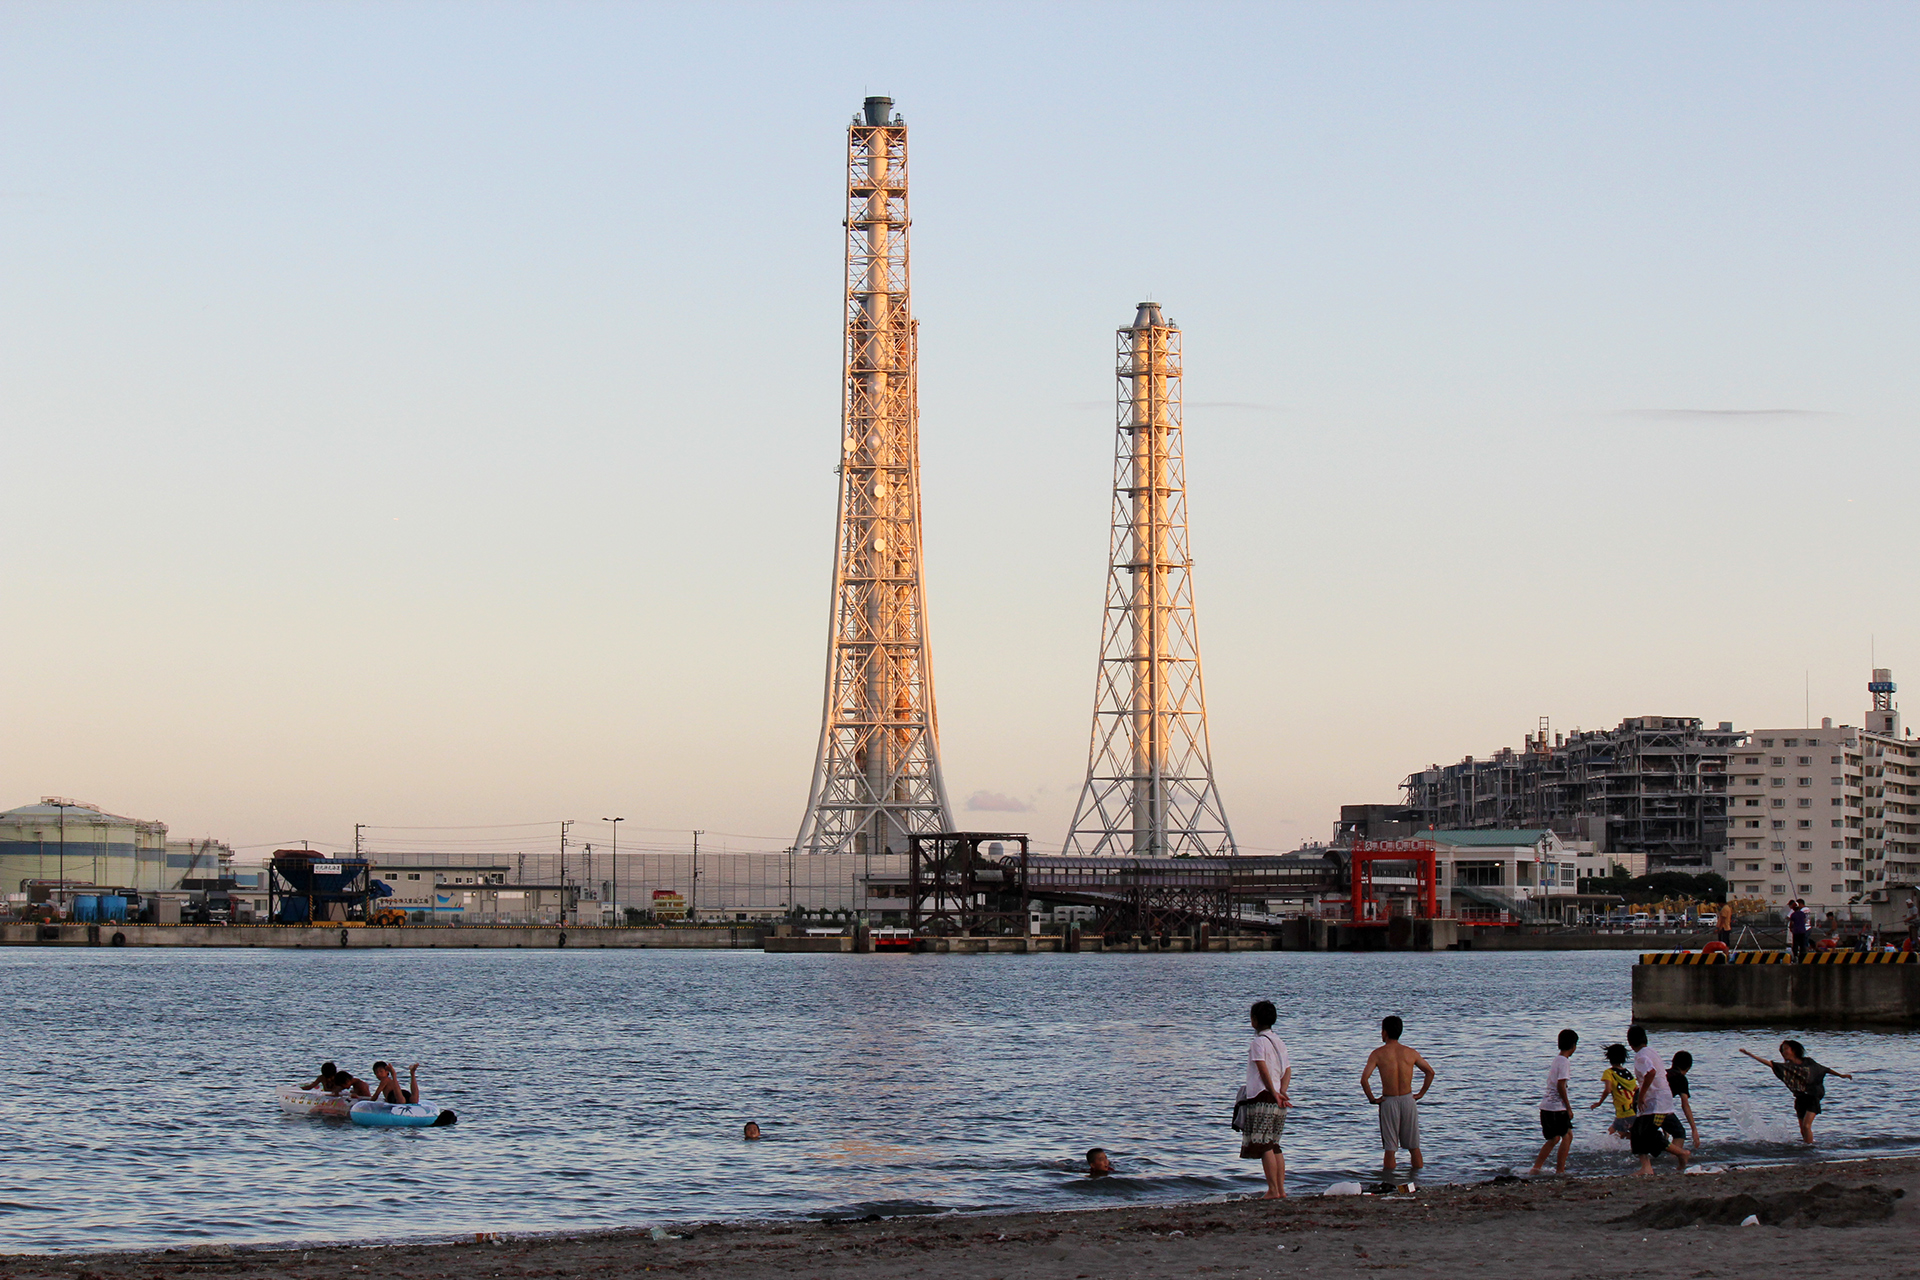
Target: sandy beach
column 1815, row 1216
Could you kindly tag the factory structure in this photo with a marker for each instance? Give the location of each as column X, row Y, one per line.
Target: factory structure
column 876, row 777
column 62, row 848
column 1150, row 791
column 1828, row 815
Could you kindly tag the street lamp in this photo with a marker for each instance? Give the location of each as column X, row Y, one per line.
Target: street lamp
column 616, row 866
column 693, row 912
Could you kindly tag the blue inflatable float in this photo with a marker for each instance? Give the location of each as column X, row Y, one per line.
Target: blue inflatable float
column 400, row 1115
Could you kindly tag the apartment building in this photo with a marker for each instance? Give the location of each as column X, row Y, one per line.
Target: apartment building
column 1829, row 815
column 1795, row 820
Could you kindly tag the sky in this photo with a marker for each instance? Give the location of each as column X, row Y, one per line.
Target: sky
column 424, row 415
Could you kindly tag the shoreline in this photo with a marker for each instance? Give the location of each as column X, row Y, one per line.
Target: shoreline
column 1526, row 1227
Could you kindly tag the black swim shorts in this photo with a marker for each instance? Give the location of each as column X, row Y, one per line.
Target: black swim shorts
column 1653, row 1134
column 1556, row 1124
column 1805, row 1106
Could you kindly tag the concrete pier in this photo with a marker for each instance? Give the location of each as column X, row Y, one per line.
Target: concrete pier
column 1761, row 994
column 370, row 937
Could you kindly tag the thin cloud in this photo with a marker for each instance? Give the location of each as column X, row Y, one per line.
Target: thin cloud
column 994, row 802
column 1727, row 415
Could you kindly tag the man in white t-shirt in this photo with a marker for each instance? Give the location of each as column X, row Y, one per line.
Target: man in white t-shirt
column 1654, row 1127
column 1556, row 1112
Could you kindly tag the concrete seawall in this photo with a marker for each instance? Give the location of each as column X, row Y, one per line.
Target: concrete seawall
column 1758, row 994
column 334, row 937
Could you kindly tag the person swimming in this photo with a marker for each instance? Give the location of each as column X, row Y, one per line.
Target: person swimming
column 387, row 1087
column 324, row 1080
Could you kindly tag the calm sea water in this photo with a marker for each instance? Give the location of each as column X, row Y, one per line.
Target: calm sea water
column 604, row 1088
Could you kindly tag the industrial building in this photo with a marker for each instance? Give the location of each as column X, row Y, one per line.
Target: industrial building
column 1655, row 786
column 61, row 840
column 600, row 886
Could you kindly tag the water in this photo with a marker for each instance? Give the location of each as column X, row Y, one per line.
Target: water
column 607, row 1088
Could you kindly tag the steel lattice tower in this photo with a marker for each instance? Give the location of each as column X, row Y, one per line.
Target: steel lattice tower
column 1150, row 789
column 877, row 777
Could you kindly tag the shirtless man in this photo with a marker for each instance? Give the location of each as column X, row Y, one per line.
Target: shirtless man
column 388, row 1089
column 1399, row 1119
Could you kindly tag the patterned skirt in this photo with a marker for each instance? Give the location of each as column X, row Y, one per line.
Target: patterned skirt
column 1261, row 1126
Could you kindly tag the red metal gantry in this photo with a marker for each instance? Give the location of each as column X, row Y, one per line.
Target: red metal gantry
column 1421, row 855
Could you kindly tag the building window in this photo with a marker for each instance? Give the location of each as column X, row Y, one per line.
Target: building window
column 1803, row 824
column 1777, row 761
column 1805, row 803
column 1776, row 782
column 1779, row 889
column 1766, row 742
column 1790, row 742
column 1835, row 843
column 1834, row 888
column 1753, row 802
column 1806, row 760
column 1838, row 867
column 1836, row 759
column 1753, row 844
column 1805, row 782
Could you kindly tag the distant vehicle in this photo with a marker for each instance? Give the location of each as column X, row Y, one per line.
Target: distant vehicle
column 388, row 916
column 1640, row 920
column 888, row 938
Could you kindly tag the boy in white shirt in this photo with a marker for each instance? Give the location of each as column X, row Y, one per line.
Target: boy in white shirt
column 1655, row 1129
column 1556, row 1112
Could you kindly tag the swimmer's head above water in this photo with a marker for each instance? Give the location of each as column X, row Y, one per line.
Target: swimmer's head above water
column 751, row 1133
column 1098, row 1166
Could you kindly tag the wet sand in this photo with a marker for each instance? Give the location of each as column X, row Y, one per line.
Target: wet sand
column 1545, row 1227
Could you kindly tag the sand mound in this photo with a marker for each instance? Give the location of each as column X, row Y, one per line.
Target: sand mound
column 1826, row 1205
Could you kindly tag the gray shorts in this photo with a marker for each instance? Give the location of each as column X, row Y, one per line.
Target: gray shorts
column 1399, row 1124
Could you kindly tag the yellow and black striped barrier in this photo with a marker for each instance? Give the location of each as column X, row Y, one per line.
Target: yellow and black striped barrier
column 1775, row 957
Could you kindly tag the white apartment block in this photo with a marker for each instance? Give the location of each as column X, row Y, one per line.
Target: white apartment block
column 1829, row 815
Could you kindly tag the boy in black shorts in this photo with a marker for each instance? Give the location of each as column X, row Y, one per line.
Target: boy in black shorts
column 1805, row 1077
column 1677, row 1086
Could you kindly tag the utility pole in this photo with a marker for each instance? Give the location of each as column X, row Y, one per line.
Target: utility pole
column 563, row 868
column 616, row 866
column 693, row 910
column 358, row 827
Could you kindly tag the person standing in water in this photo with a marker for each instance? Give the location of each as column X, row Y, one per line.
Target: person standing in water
column 1654, row 1128
column 1805, row 1077
column 1683, row 1094
column 1556, row 1109
column 1263, row 1100
column 1618, row 1086
column 1398, row 1103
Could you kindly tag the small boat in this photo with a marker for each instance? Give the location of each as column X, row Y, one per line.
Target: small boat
column 312, row 1102
column 400, row 1115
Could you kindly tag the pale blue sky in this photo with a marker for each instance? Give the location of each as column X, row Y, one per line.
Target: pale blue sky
column 427, row 413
